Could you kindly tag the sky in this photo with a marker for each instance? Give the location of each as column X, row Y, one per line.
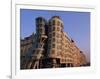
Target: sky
column 76, row 25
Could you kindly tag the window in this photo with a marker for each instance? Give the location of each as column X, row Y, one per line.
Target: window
column 40, row 30
column 54, row 34
column 49, row 40
column 58, row 23
column 53, row 51
column 66, row 45
column 53, row 39
column 40, row 19
column 53, row 22
column 58, row 41
column 69, row 65
column 62, row 30
column 54, row 28
column 50, row 23
column 58, row 35
column 58, row 29
column 62, row 25
column 49, row 46
column 53, row 45
column 58, row 53
column 49, row 29
column 21, row 50
column 59, row 47
column 49, row 35
column 41, row 25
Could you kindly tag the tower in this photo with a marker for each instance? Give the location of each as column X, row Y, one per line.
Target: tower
column 40, row 41
column 38, row 51
column 55, row 28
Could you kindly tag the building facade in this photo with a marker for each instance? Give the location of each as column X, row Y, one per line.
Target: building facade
column 50, row 47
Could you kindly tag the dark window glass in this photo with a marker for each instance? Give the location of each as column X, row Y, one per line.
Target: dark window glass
column 49, row 23
column 49, row 40
column 54, row 28
column 54, row 34
column 53, row 45
column 40, row 30
column 58, row 23
column 49, row 29
column 40, row 24
column 53, row 39
column 53, row 51
column 49, row 35
column 58, row 29
column 68, row 65
column 53, row 22
column 49, row 46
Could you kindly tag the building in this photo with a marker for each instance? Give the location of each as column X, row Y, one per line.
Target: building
column 50, row 47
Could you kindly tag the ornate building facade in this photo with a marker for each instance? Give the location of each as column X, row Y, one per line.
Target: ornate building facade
column 50, row 47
